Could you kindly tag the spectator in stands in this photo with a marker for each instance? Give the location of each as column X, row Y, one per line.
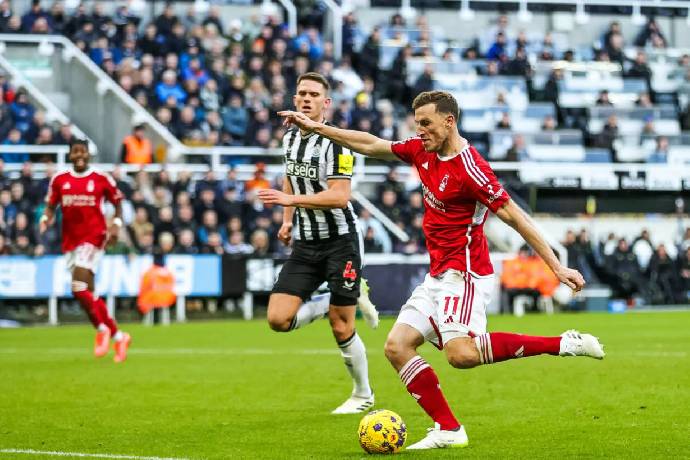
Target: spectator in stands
column 660, row 153
column 603, row 98
column 260, row 242
column 643, row 249
column 644, row 100
column 14, row 137
column 169, row 87
column 14, row 25
column 519, row 65
column 649, row 34
column 64, row 134
column 22, row 112
column 516, row 152
column 236, row 244
column 379, row 234
column 209, row 225
column 624, row 271
column 5, row 248
column 684, row 271
column 609, row 133
column 548, row 123
column 136, row 148
column 186, row 243
column 640, row 68
column 371, row 245
column 34, row 14
column 140, row 226
column 663, row 278
column 5, row 15
column 497, row 51
column 259, row 181
column 504, row 122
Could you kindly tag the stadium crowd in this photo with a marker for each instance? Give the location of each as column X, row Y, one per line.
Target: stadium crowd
column 211, row 215
column 211, row 81
column 633, row 268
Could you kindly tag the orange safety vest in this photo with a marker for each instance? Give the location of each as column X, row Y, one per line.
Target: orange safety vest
column 157, row 289
column 138, row 151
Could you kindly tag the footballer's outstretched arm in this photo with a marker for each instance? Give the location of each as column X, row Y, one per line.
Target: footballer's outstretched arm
column 357, row 141
column 511, row 214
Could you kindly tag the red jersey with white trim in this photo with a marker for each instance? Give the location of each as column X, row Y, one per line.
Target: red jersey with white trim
column 458, row 193
column 81, row 196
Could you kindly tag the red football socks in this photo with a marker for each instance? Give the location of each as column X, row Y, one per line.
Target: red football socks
column 495, row 347
column 99, row 304
column 96, row 310
column 422, row 383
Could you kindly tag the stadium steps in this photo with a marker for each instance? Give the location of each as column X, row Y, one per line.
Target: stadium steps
column 72, row 83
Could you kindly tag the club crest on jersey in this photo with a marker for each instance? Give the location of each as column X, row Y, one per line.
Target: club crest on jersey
column 90, row 186
column 444, row 183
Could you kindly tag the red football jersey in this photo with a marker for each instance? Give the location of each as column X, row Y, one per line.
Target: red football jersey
column 458, row 192
column 81, row 196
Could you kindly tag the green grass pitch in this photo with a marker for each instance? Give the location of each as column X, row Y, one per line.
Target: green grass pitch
column 234, row 389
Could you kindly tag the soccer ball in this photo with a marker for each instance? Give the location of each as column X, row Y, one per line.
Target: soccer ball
column 382, row 432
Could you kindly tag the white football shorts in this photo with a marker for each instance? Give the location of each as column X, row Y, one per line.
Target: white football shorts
column 448, row 306
column 85, row 255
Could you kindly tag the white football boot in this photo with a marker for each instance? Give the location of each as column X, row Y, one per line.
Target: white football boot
column 575, row 344
column 436, row 438
column 354, row 405
column 368, row 309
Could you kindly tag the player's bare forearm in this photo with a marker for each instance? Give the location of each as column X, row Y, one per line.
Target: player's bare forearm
column 512, row 215
column 288, row 211
column 358, row 141
column 328, row 199
column 46, row 219
column 114, row 230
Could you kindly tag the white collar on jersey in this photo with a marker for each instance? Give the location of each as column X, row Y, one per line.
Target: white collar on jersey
column 450, row 157
column 85, row 173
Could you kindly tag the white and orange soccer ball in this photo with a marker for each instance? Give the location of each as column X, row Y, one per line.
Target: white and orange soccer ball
column 382, row 432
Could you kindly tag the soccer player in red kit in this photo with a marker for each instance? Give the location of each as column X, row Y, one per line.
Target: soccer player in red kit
column 81, row 192
column 449, row 308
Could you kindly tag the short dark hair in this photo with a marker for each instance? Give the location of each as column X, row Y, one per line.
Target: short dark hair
column 443, row 100
column 76, row 141
column 317, row 77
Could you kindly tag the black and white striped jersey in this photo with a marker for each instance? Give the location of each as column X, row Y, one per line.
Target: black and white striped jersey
column 309, row 162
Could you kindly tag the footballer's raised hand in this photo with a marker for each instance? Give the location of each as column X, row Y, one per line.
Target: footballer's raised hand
column 571, row 278
column 114, row 231
column 43, row 223
column 298, row 119
column 285, row 233
column 270, row 196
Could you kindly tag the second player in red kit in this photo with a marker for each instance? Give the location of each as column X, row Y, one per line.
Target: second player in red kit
column 81, row 192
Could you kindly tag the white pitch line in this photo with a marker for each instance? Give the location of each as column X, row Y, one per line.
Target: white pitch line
column 53, row 453
column 180, row 351
column 265, row 352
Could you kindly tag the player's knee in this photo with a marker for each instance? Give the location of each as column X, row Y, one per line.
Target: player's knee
column 79, row 286
column 393, row 349
column 342, row 330
column 462, row 358
column 279, row 323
